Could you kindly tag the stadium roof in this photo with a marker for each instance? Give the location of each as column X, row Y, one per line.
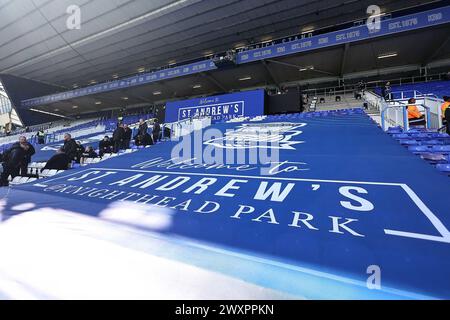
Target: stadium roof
column 117, row 38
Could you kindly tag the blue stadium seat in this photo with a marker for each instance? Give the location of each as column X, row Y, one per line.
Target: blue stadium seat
column 438, row 88
column 441, row 149
column 408, row 142
column 393, row 130
column 431, row 143
column 401, row 136
column 444, row 168
column 419, row 149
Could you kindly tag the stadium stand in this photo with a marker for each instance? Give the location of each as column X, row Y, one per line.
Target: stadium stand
column 434, row 88
column 273, row 150
column 382, row 169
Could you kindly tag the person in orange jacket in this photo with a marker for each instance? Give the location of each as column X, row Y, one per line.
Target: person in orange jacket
column 445, row 112
column 415, row 117
column 444, row 106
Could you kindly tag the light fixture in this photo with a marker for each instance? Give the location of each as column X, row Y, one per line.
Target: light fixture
column 387, row 55
column 124, row 98
column 245, row 78
column 75, row 85
column 307, row 30
column 196, row 86
column 378, row 15
column 172, row 62
column 98, row 102
column 306, row 68
column 156, row 93
column 207, row 54
column 266, row 39
column 115, row 76
column 46, row 112
column 74, row 107
column 56, row 110
column 141, row 69
column 92, row 82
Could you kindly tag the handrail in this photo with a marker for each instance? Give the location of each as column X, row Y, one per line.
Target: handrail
column 377, row 83
column 404, row 109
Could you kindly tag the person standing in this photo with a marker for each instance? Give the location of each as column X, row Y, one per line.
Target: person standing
column 444, row 107
column 386, row 91
column 143, row 128
column 127, row 133
column 156, row 131
column 41, row 136
column 30, row 151
column 118, row 136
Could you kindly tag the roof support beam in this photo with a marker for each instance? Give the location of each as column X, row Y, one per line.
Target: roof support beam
column 299, row 67
column 216, row 82
column 270, row 74
column 169, row 88
column 436, row 51
column 344, row 59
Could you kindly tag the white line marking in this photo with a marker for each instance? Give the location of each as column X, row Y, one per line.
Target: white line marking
column 430, row 216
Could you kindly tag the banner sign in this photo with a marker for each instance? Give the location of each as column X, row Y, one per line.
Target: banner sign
column 223, row 107
column 387, row 27
column 133, row 81
column 392, row 26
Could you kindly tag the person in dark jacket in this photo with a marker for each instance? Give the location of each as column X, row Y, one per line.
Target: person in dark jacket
column 145, row 140
column 143, row 128
column 118, row 135
column 60, row 161
column 41, row 136
column 156, row 131
column 70, row 147
column 127, row 133
column 89, row 153
column 80, row 151
column 12, row 161
column 105, row 146
column 27, row 159
column 167, row 132
column 386, row 91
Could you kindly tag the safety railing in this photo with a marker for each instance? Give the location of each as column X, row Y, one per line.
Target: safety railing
column 429, row 102
column 396, row 115
column 394, row 111
column 349, row 88
column 186, row 126
column 408, row 94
